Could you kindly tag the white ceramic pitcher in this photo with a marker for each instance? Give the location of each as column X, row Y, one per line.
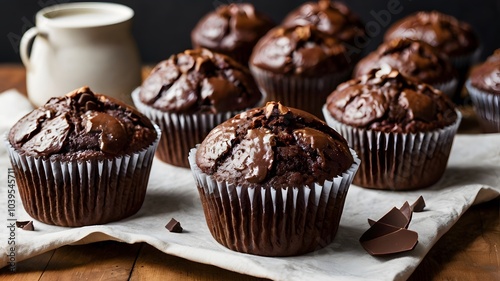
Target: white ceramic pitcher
column 81, row 44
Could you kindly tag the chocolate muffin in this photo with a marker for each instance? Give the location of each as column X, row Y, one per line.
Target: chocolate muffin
column 273, row 181
column 449, row 35
column 299, row 66
column 331, row 17
column 402, row 130
column 484, row 89
column 231, row 29
column 189, row 94
column 454, row 38
column 414, row 59
column 82, row 159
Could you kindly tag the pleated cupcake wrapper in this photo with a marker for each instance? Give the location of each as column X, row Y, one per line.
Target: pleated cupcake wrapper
column 306, row 93
column 487, row 107
column 448, row 88
column 462, row 63
column 78, row 193
column 181, row 132
column 397, row 161
column 273, row 222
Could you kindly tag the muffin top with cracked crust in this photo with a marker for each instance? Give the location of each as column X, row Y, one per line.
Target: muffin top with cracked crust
column 384, row 100
column 274, row 146
column 81, row 126
column 199, row 81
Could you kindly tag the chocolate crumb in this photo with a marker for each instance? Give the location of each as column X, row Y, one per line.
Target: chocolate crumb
column 174, row 226
column 25, row 225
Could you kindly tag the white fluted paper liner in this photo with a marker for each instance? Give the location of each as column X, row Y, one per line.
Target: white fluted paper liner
column 78, row 193
column 448, row 88
column 273, row 222
column 398, row 161
column 181, row 132
column 487, row 107
column 305, row 93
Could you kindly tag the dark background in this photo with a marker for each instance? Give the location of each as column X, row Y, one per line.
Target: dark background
column 162, row 28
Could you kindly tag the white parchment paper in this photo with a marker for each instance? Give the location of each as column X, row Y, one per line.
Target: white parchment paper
column 472, row 177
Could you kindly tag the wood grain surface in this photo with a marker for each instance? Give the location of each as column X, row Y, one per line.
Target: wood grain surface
column 468, row 251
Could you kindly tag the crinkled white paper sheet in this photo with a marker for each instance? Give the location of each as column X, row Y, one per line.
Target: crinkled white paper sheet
column 472, row 177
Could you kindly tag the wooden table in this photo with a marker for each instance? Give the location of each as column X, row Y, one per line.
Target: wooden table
column 468, row 251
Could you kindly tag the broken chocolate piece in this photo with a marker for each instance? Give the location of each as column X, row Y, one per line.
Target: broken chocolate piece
column 389, row 235
column 25, row 225
column 395, row 218
column 174, row 226
column 382, row 239
column 419, row 205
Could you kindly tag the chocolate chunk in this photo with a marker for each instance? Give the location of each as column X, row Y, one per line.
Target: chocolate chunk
column 113, row 136
column 25, row 225
column 174, row 226
column 84, row 98
column 257, row 159
column 382, row 239
column 419, row 205
column 395, row 218
column 389, row 235
column 51, row 137
column 29, row 124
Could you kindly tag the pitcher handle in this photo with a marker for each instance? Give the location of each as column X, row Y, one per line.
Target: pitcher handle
column 26, row 40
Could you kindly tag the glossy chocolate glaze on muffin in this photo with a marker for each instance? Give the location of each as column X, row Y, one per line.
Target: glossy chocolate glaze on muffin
column 414, row 59
column 331, row 17
column 82, row 125
column 445, row 32
column 230, row 29
column 200, row 81
column 299, row 50
column 274, row 146
column 383, row 100
column 486, row 76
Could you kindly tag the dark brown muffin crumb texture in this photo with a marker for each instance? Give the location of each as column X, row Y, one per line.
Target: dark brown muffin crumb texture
column 82, row 125
column 274, row 146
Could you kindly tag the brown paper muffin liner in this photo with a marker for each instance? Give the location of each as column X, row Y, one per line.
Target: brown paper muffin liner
column 79, row 193
column 487, row 107
column 448, row 88
column 462, row 64
column 181, row 132
column 397, row 161
column 305, row 93
column 273, row 222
